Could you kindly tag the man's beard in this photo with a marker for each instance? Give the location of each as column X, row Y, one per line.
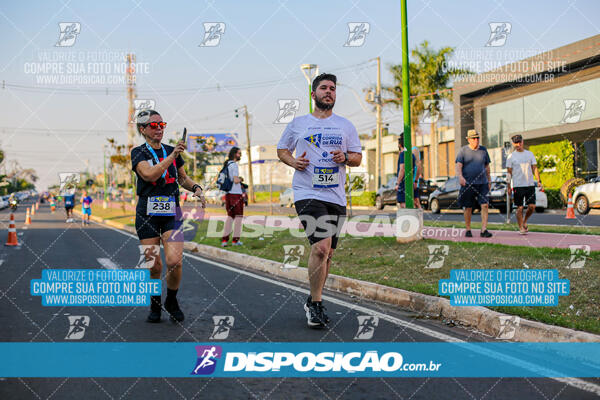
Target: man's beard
column 323, row 106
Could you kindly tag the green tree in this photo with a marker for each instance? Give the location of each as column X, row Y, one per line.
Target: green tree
column 430, row 75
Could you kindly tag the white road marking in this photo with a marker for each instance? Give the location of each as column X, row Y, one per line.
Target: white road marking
column 107, row 263
column 575, row 382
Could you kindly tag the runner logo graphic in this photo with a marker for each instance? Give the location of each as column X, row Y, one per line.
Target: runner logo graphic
column 223, row 323
column 431, row 111
column 508, row 327
column 499, row 32
column 437, row 255
column 287, row 110
column 292, row 255
column 574, row 109
column 68, row 180
column 140, row 105
column 579, row 254
column 149, row 253
column 186, row 225
column 77, row 325
column 366, row 327
column 357, row 33
column 212, row 34
column 68, row 33
column 207, row 359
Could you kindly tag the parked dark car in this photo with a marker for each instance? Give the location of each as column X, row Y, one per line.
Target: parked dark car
column 386, row 195
column 446, row 197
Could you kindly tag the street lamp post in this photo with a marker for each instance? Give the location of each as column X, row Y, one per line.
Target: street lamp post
column 307, row 71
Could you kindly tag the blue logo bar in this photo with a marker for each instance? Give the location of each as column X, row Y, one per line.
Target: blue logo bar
column 229, row 360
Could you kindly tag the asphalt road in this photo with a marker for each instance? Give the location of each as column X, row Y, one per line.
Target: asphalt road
column 264, row 309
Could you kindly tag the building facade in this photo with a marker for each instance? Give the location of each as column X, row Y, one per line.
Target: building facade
column 546, row 98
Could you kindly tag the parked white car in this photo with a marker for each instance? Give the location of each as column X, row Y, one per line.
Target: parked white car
column 587, row 196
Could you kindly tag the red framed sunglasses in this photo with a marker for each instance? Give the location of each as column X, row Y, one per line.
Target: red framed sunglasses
column 155, row 125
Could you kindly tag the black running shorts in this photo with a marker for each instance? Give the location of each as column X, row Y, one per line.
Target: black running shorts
column 321, row 219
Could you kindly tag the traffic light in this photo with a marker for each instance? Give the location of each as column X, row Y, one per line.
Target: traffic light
column 236, row 113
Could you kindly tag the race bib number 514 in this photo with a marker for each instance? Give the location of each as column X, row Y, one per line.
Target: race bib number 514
column 326, row 177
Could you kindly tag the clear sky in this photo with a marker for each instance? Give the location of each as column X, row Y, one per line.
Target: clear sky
column 59, row 127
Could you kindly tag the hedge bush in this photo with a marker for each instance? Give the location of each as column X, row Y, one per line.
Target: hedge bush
column 365, row 198
column 554, row 199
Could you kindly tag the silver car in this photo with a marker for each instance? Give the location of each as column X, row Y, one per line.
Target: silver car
column 587, row 196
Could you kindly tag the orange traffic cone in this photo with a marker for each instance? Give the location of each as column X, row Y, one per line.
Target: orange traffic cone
column 52, row 207
column 570, row 210
column 12, row 232
column 32, row 210
column 37, row 206
column 27, row 218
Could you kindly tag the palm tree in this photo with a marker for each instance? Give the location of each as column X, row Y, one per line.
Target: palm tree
column 430, row 76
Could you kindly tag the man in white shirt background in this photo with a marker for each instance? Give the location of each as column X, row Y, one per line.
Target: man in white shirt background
column 522, row 166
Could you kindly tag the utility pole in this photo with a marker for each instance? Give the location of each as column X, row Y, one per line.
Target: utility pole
column 251, row 198
column 131, row 130
column 376, row 99
column 105, row 202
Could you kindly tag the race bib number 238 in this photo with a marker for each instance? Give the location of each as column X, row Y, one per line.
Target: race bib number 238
column 161, row 205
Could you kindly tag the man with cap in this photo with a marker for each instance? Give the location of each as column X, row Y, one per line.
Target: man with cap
column 473, row 172
column 522, row 166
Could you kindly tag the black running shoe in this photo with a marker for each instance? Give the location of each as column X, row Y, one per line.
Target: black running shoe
column 468, row 234
column 486, row 234
column 155, row 309
column 172, row 307
column 325, row 316
column 153, row 317
column 314, row 315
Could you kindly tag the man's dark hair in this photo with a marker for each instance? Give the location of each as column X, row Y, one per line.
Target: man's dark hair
column 401, row 139
column 323, row 77
column 143, row 117
column 231, row 155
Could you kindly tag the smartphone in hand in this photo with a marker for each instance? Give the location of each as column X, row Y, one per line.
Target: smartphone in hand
column 184, row 134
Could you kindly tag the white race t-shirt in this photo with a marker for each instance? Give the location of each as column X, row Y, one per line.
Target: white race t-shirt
column 521, row 162
column 233, row 170
column 323, row 179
